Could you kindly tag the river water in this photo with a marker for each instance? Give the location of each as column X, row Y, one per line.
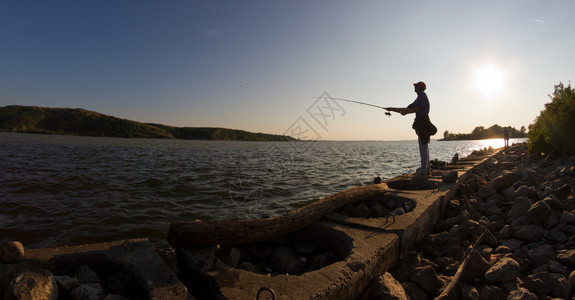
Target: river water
column 68, row 190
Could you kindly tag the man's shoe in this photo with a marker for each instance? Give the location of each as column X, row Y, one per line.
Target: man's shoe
column 420, row 176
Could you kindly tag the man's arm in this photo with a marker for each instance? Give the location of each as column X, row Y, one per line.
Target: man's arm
column 403, row 111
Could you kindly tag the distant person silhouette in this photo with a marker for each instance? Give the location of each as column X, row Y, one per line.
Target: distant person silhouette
column 506, row 136
column 422, row 125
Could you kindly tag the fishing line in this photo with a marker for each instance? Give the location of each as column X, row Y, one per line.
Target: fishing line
column 387, row 113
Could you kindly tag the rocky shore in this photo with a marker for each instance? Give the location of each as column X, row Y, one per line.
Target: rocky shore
column 507, row 235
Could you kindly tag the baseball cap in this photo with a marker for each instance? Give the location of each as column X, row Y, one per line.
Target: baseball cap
column 420, row 83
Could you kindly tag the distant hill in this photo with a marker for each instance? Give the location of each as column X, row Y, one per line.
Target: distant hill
column 68, row 121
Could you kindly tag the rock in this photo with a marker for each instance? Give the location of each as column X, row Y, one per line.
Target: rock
column 413, row 290
column 562, row 192
column 572, row 278
column 561, row 286
column 505, row 269
column 319, row 261
column 567, row 257
column 520, row 208
column 284, row 260
column 66, row 283
column 36, row 284
column 486, row 192
column 231, row 257
column 438, row 244
column 361, row 211
column 88, row 291
column 115, row 297
column 427, row 279
column 476, row 267
column 450, row 177
column 199, row 260
column 469, row 293
column 386, row 287
column 538, row 213
column 557, row 235
column 521, row 294
column 554, row 266
column 85, row 274
column 303, row 248
column 553, row 202
column 490, row 292
column 248, row 267
column 568, row 217
column 407, row 266
column 11, row 252
column 530, row 233
column 503, row 181
column 542, row 254
column 540, row 283
column 504, row 233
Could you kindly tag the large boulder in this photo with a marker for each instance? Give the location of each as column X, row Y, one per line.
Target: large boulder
column 539, row 212
column 505, row 269
column 386, row 287
column 35, row 284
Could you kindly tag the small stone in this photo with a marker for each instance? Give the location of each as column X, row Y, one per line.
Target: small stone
column 561, row 286
column 11, row 252
column 506, row 269
column 386, row 287
column 438, row 244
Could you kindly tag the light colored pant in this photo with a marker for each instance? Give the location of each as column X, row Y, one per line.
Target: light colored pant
column 424, row 154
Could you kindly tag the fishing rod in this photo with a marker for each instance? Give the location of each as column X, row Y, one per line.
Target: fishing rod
column 387, row 113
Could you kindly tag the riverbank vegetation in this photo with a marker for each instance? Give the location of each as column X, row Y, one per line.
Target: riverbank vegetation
column 554, row 129
column 482, row 133
column 67, row 121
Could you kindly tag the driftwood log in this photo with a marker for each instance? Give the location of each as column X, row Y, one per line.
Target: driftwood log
column 230, row 232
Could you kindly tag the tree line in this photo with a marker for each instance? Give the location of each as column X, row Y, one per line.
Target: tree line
column 67, row 121
column 481, row 133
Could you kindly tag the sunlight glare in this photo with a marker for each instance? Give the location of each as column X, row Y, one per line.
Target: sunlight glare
column 489, row 80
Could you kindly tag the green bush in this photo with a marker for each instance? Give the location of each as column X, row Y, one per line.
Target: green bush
column 554, row 129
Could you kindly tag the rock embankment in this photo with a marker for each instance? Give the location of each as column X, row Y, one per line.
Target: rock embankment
column 507, row 235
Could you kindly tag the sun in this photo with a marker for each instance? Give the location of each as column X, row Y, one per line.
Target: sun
column 489, row 80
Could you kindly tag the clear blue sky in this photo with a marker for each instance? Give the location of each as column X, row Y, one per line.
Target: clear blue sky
column 256, row 65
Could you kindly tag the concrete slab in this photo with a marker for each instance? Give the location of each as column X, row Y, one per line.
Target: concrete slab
column 134, row 260
column 370, row 253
